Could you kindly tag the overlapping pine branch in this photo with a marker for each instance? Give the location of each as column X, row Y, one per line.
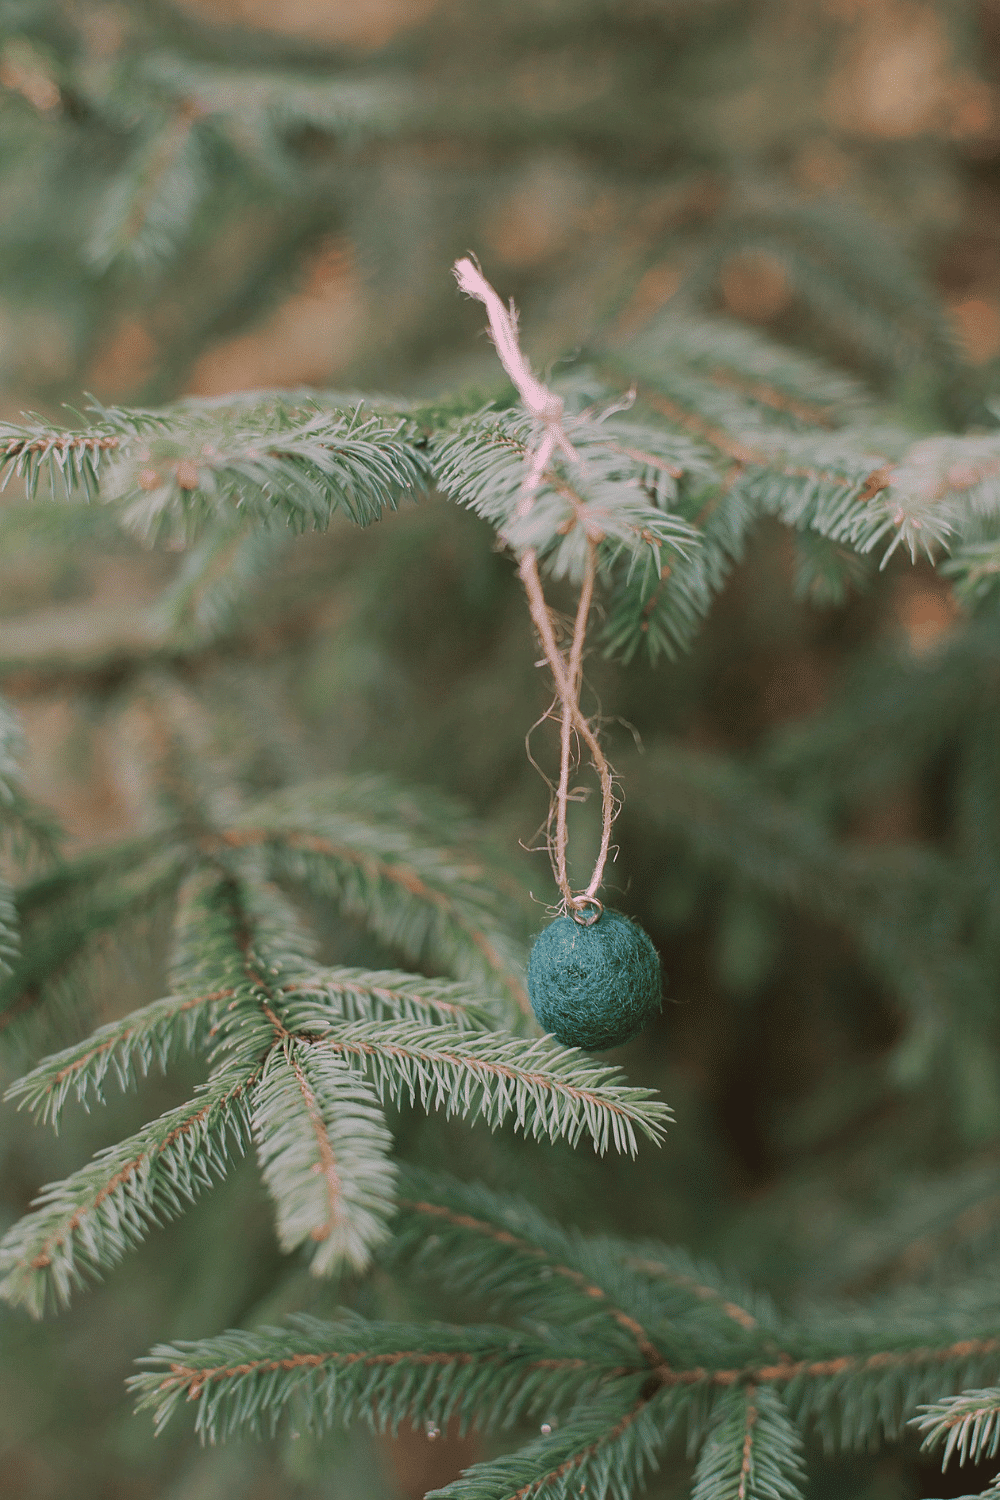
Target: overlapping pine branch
column 183, row 125
column 355, row 1370
column 966, row 1427
column 612, row 1395
column 609, row 1444
column 726, row 428
column 619, row 492
column 359, row 995
column 360, row 844
column 299, row 1055
column 67, row 917
column 323, row 1148
column 681, row 441
column 169, row 474
column 546, row 1090
column 844, row 274
column 752, row 1451
column 87, row 1223
column 124, row 1050
column 504, row 1251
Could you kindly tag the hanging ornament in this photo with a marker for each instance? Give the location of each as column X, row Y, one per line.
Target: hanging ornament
column 594, row 983
column 594, row 977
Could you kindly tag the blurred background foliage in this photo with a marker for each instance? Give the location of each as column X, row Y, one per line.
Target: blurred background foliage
column 217, row 195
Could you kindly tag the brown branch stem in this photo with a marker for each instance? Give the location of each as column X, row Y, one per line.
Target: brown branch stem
column 647, row 1348
column 581, row 1458
column 196, row 1379
column 655, row 1268
column 396, row 872
column 746, row 1459
column 327, row 1155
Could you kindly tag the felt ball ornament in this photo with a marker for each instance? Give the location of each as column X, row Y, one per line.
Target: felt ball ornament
column 594, row 983
column 593, row 976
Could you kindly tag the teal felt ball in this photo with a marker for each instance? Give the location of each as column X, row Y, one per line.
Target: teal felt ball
column 595, row 985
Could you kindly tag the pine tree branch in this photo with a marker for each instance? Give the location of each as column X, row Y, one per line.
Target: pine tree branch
column 521, row 1271
column 832, row 1370
column 548, row 1090
column 827, row 572
column 171, row 472
column 299, row 475
column 68, row 880
column 844, row 1375
column 422, row 900
column 388, row 995
column 193, row 114
column 606, row 1446
column 425, row 1375
column 662, row 608
column 148, row 207
column 129, row 1049
column 32, row 452
column 968, row 1425
column 217, row 575
column 677, row 1269
column 257, row 107
column 351, row 1370
column 833, row 486
column 752, row 1452
column 800, row 391
column 64, row 914
column 856, row 284
column 512, row 1254
column 324, row 1148
column 603, row 497
column 89, row 1221
column 246, row 989
column 502, row 1249
column 234, row 931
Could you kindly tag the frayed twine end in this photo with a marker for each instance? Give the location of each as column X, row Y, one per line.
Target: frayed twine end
column 540, row 401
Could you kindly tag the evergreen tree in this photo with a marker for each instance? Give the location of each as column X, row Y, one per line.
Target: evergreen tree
column 681, row 490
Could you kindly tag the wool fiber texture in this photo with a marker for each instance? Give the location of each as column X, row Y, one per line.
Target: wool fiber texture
column 594, row 987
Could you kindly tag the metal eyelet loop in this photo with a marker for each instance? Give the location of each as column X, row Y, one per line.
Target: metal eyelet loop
column 584, row 918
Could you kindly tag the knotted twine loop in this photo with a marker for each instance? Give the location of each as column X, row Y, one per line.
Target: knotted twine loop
column 547, row 410
column 588, row 911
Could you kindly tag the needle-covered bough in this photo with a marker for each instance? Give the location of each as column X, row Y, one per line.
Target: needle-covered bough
column 634, row 477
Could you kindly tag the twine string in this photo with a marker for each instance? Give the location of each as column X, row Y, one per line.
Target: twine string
column 574, row 674
column 547, row 410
